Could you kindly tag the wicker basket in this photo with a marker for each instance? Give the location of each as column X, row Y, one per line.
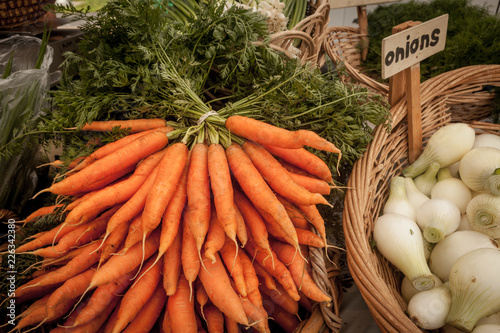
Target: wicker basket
column 18, row 12
column 379, row 281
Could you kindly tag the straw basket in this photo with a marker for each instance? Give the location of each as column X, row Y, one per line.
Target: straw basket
column 18, row 12
column 379, row 281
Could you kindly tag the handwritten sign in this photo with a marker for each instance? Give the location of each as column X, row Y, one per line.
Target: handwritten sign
column 335, row 4
column 409, row 47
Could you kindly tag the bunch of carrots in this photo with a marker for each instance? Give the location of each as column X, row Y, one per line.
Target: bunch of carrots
column 196, row 237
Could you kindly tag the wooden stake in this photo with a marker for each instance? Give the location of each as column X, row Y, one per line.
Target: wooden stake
column 363, row 30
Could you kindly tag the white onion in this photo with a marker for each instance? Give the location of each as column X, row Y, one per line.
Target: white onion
column 408, row 291
column 398, row 202
column 479, row 170
column 429, row 308
column 454, row 190
column 487, row 140
column 414, row 195
column 487, row 328
column 438, row 218
column 426, row 181
column 483, row 212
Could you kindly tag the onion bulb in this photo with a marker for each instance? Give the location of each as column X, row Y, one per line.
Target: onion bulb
column 398, row 202
column 487, row 140
column 483, row 212
column 452, row 247
column 446, row 146
column 487, row 328
column 399, row 240
column 475, row 291
column 454, row 190
column 408, row 291
column 429, row 308
column 438, row 218
column 464, row 223
column 480, row 170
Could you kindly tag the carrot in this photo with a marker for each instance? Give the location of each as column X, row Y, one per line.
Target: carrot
column 41, row 212
column 198, row 196
column 229, row 254
column 296, row 266
column 82, row 235
column 222, row 188
column 257, row 316
column 149, row 314
column 165, row 324
column 278, row 178
column 241, row 228
column 215, row 237
column 215, row 319
column 117, row 266
column 264, row 275
column 172, row 265
column 311, row 184
column 274, row 229
column 113, row 243
column 303, row 159
column 139, row 294
column 253, row 220
column 298, row 219
column 305, row 302
column 279, row 271
column 113, row 146
column 134, row 235
column 132, row 207
column 267, row 134
column 119, row 192
column 181, row 310
column 309, row 238
column 169, row 172
column 189, row 257
column 120, row 159
column 285, row 320
column 97, row 324
column 314, row 217
column 173, row 213
column 77, row 265
column 133, row 125
column 231, row 325
column 257, row 189
column 251, row 279
column 218, row 286
column 281, row 298
column 70, row 320
column 201, row 297
column 72, row 288
column 102, row 298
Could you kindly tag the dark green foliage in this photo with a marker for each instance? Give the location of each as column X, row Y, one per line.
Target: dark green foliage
column 473, row 36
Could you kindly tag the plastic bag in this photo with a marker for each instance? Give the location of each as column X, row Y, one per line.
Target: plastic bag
column 22, row 99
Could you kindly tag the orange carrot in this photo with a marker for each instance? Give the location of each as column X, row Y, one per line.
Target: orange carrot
column 172, row 265
column 231, row 325
column 72, row 288
column 215, row 319
column 149, row 314
column 77, row 265
column 298, row 219
column 134, row 235
column 277, row 269
column 253, row 220
column 120, row 159
column 113, row 146
column 119, row 265
column 198, row 196
column 267, row 134
column 110, row 321
column 251, row 279
column 165, row 324
column 311, row 184
column 281, row 298
column 133, row 125
column 119, row 192
column 229, row 254
column 222, row 188
column 278, row 178
column 314, row 217
column 218, row 286
column 241, row 228
column 113, row 243
column 257, row 316
column 257, row 189
column 201, row 297
column 96, row 325
column 40, row 212
column 264, row 275
column 285, row 320
column 190, row 258
column 181, row 310
column 296, row 266
column 102, row 298
column 138, row 295
column 169, row 172
column 303, row 159
column 215, row 237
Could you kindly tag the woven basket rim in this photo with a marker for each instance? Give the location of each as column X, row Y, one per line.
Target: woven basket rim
column 375, row 277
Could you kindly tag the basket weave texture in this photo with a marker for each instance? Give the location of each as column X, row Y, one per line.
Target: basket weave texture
column 379, row 282
column 18, row 12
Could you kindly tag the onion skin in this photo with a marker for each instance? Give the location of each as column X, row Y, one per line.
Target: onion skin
column 428, row 309
column 475, row 288
column 479, row 170
column 483, row 213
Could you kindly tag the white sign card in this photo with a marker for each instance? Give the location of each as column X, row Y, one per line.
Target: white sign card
column 336, row 4
column 409, row 47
